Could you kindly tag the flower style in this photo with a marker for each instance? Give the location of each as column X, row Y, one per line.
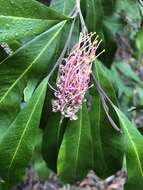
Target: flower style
column 74, row 77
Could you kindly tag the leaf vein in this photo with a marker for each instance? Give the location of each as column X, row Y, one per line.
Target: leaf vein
column 22, row 75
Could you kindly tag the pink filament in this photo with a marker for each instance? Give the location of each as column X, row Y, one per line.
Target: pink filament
column 74, row 76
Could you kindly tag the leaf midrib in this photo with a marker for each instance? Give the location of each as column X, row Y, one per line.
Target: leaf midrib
column 24, row 132
column 29, row 67
column 64, row 8
column 25, row 18
column 135, row 149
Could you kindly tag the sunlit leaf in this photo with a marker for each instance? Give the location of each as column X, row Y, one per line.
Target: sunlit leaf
column 28, row 9
column 17, row 28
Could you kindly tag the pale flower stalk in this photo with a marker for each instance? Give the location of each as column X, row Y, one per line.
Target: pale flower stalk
column 74, row 77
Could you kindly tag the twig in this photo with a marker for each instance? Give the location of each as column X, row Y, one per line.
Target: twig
column 104, row 98
column 83, row 26
column 59, row 61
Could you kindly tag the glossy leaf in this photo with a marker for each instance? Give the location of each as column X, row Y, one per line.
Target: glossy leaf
column 28, row 9
column 29, row 62
column 94, row 11
column 132, row 144
column 24, row 18
column 17, row 145
column 107, row 155
column 18, row 28
column 62, row 6
column 75, row 157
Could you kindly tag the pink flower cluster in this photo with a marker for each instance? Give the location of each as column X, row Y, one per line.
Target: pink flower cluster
column 74, row 76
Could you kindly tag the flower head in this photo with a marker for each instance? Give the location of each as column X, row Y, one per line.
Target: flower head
column 74, row 76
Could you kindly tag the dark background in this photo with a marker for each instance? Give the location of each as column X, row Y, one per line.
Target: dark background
column 47, row 2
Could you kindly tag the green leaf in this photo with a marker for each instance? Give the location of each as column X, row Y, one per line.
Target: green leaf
column 57, row 51
column 25, row 18
column 17, row 28
column 29, row 62
column 75, row 157
column 94, row 11
column 139, row 42
column 51, row 140
column 132, row 144
column 52, row 133
column 53, row 128
column 99, row 11
column 107, row 155
column 119, row 85
column 18, row 143
column 39, row 164
column 130, row 17
column 42, row 170
column 29, row 89
column 62, row 6
column 130, row 8
column 125, row 93
column 76, row 34
column 128, row 72
column 28, row 9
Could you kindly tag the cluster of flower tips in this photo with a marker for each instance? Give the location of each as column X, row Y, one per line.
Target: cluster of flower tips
column 74, row 76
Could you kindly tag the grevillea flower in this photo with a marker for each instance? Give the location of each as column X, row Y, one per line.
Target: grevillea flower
column 74, row 76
